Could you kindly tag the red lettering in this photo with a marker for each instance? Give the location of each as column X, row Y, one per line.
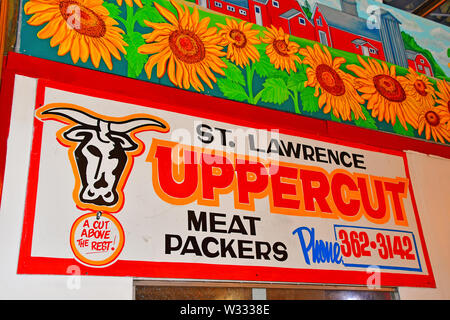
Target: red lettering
column 397, row 190
column 217, row 173
column 203, row 176
column 378, row 209
column 280, row 189
column 312, row 193
column 338, row 181
column 189, row 174
column 252, row 177
column 101, row 245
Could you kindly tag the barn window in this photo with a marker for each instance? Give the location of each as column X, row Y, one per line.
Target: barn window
column 230, row 8
column 372, row 50
column 420, row 67
column 319, row 21
column 422, row 61
column 218, row 4
column 243, row 12
column 275, row 4
column 302, row 21
column 323, row 38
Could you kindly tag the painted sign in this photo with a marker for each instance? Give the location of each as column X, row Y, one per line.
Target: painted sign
column 360, row 63
column 153, row 191
column 96, row 239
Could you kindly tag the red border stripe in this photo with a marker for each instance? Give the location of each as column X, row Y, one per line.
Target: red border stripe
column 95, row 83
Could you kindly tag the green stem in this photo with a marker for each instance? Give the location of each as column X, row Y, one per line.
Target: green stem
column 257, row 97
column 250, row 72
column 124, row 22
column 130, row 20
column 129, row 26
column 294, row 97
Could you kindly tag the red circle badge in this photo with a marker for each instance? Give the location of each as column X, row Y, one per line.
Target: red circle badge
column 97, row 240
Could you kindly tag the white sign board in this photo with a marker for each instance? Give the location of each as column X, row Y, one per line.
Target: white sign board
column 146, row 190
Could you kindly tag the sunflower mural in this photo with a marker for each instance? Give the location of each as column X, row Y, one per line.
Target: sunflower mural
column 443, row 102
column 240, row 40
column 280, row 50
column 81, row 27
column 336, row 88
column 130, row 2
column 433, row 124
column 173, row 43
column 385, row 96
column 419, row 87
column 187, row 49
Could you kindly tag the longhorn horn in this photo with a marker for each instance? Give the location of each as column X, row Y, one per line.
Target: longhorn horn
column 133, row 124
column 74, row 115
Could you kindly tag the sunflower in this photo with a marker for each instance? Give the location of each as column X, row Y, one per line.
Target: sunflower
column 385, row 95
column 130, row 3
column 443, row 101
column 419, row 87
column 240, row 40
column 336, row 87
column 185, row 47
column 281, row 51
column 429, row 119
column 82, row 27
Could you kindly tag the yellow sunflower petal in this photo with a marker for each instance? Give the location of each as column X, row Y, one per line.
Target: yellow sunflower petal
column 75, row 49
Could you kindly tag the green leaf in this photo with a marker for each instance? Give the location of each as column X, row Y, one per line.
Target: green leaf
column 136, row 60
column 369, row 123
column 310, row 103
column 232, row 90
column 149, row 13
column 275, row 91
column 279, row 74
column 263, row 67
column 113, row 9
column 233, row 72
column 296, row 81
column 399, row 129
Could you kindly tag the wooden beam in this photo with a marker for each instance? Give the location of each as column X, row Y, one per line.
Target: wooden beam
column 427, row 7
column 9, row 11
column 268, row 285
column 3, row 28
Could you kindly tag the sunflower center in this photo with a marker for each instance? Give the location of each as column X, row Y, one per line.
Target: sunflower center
column 281, row 47
column 432, row 118
column 420, row 87
column 389, row 88
column 83, row 20
column 239, row 38
column 187, row 46
column 330, row 80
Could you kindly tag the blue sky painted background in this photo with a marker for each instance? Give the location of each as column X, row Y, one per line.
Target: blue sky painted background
column 428, row 34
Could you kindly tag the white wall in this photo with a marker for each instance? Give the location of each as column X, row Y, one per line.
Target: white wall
column 430, row 178
column 12, row 285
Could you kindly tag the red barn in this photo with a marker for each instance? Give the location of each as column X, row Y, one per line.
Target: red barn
column 287, row 14
column 259, row 11
column 296, row 23
column 419, row 63
column 345, row 30
column 234, row 8
column 340, row 29
column 276, row 8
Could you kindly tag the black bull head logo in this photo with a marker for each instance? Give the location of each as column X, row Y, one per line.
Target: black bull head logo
column 101, row 151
